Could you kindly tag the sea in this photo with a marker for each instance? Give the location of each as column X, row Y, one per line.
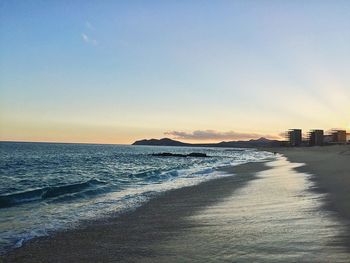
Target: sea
column 46, row 187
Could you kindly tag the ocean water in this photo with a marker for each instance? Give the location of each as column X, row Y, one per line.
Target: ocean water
column 45, row 187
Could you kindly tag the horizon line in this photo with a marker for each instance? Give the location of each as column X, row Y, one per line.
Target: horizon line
column 57, row 142
column 95, row 143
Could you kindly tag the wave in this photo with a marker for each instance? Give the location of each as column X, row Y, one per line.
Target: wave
column 142, row 175
column 45, row 193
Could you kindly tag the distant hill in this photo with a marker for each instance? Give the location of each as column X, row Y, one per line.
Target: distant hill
column 161, row 142
column 261, row 142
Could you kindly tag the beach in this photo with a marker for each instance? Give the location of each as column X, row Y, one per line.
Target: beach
column 133, row 236
column 265, row 212
column 174, row 131
column 330, row 167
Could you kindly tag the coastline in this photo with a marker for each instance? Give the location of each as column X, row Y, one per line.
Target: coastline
column 196, row 222
column 132, row 235
column 330, row 170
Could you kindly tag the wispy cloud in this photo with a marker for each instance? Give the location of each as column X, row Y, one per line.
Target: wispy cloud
column 88, row 39
column 217, row 135
column 89, row 25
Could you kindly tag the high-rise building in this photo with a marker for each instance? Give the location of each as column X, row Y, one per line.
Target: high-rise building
column 294, row 137
column 316, row 137
column 339, row 136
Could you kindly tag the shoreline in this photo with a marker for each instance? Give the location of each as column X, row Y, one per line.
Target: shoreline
column 159, row 218
column 330, row 170
column 150, row 232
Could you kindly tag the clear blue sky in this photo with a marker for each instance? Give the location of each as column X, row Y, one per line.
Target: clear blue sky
column 116, row 71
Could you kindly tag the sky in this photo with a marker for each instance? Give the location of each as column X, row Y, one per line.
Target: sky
column 119, row 71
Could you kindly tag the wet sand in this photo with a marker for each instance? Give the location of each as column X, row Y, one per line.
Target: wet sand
column 330, row 167
column 263, row 213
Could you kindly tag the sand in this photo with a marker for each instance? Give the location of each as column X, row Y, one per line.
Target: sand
column 330, row 167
